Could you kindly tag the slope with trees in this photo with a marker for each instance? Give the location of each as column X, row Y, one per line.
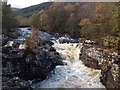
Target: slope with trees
column 94, row 21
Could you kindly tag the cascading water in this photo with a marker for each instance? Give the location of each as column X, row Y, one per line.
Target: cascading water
column 74, row 74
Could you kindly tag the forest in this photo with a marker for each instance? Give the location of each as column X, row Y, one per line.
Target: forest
column 94, row 21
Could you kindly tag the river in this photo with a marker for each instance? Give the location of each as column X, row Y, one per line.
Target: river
column 72, row 75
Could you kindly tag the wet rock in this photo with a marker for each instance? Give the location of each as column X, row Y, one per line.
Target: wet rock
column 90, row 42
column 5, row 39
column 27, row 64
column 110, row 75
column 15, row 83
column 22, row 46
column 38, row 66
column 68, row 40
column 8, row 69
column 52, row 49
column 88, row 56
column 108, row 63
column 48, row 42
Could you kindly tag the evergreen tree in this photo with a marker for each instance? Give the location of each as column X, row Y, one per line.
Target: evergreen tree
column 8, row 19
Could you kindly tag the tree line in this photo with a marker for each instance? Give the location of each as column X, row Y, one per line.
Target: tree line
column 94, row 21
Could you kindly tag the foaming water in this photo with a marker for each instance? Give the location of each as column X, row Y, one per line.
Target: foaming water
column 74, row 74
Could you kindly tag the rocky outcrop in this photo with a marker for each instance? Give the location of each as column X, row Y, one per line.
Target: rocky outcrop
column 14, row 83
column 21, row 65
column 90, row 57
column 110, row 75
column 108, row 63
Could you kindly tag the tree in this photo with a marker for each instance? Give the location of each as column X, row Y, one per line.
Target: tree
column 69, row 8
column 57, row 17
column 36, row 24
column 108, row 16
column 34, row 40
column 72, row 26
column 8, row 19
column 35, row 20
column 23, row 21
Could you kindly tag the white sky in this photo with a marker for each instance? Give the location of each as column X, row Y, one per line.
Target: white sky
column 25, row 3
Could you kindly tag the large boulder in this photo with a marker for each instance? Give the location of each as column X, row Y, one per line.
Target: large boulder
column 110, row 74
column 108, row 63
column 38, row 66
column 90, row 57
column 27, row 64
column 13, row 83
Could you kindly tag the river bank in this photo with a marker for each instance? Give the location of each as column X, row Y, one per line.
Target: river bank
column 61, row 62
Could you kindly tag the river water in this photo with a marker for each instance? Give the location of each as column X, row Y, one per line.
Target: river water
column 72, row 75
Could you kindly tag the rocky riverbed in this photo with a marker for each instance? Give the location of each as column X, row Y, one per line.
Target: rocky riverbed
column 60, row 62
column 74, row 74
column 21, row 65
column 107, row 62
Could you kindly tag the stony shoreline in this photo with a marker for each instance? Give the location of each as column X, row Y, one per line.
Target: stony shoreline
column 21, row 67
column 107, row 62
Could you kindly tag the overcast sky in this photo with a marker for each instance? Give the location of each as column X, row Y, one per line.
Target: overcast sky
column 25, row 3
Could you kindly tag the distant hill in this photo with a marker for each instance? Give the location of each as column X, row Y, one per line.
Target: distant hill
column 26, row 12
column 15, row 9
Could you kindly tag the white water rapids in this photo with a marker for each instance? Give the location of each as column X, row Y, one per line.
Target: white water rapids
column 74, row 74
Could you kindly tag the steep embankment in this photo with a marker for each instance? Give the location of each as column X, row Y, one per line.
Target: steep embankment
column 108, row 63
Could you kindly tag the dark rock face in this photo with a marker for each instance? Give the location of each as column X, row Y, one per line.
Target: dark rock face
column 14, row 83
column 110, row 75
column 19, row 65
column 5, row 39
column 108, row 63
column 89, row 60
column 38, row 66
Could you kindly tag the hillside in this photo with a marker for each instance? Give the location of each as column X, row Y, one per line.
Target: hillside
column 15, row 9
column 86, row 20
column 28, row 11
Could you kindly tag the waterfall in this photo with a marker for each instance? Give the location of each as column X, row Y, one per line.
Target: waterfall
column 74, row 74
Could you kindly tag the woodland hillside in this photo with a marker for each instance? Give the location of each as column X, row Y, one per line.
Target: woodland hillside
column 95, row 21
